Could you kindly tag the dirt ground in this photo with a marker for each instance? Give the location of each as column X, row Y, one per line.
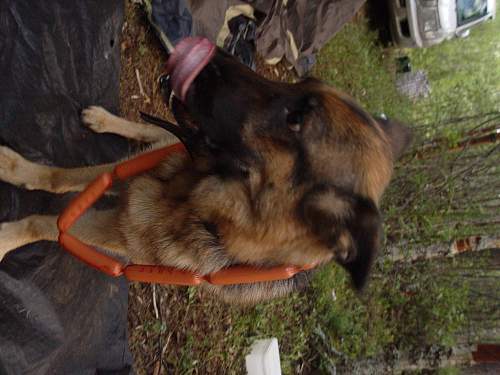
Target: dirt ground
column 163, row 319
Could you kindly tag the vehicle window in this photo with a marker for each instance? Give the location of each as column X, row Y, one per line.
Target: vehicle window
column 470, row 10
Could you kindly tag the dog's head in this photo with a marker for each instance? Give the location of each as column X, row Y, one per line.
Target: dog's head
column 294, row 172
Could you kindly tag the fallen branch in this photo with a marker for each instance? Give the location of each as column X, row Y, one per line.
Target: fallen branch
column 461, row 246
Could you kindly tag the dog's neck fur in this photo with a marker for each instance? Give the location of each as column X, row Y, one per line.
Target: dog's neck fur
column 211, row 225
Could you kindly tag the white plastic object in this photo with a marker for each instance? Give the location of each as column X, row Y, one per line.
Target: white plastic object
column 264, row 358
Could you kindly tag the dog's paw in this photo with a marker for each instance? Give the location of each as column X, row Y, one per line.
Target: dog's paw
column 10, row 233
column 9, row 159
column 16, row 170
column 96, row 118
column 11, row 163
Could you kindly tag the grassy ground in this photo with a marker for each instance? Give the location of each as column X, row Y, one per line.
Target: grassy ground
column 432, row 198
column 178, row 330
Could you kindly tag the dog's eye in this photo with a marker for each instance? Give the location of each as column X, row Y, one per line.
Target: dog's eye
column 294, row 120
column 295, row 127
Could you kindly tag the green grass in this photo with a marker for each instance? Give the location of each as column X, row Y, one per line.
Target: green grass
column 464, row 73
column 354, row 62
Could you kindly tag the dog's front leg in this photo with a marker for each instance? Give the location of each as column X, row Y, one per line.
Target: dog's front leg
column 101, row 121
column 96, row 228
column 33, row 228
column 19, row 171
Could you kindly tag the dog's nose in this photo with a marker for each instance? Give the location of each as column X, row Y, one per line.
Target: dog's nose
column 165, row 86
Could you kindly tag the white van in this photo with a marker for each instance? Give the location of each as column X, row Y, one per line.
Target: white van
column 422, row 23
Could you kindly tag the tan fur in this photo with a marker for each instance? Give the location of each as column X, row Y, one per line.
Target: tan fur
column 17, row 170
column 373, row 166
column 166, row 213
column 101, row 121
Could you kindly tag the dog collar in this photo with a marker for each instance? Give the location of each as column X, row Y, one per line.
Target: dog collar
column 150, row 273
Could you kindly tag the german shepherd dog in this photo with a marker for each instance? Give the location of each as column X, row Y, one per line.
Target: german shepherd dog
column 276, row 173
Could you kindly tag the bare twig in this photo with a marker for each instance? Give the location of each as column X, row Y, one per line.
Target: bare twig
column 464, row 245
column 166, row 345
column 141, row 89
column 157, row 368
column 157, row 315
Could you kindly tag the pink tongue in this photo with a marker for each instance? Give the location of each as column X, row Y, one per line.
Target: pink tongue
column 190, row 56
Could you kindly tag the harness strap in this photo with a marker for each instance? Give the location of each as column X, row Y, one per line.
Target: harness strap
column 150, row 273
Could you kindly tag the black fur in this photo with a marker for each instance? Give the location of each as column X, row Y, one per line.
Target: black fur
column 365, row 227
column 359, row 217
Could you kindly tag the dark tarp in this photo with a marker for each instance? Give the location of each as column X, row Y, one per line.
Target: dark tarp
column 291, row 29
column 58, row 316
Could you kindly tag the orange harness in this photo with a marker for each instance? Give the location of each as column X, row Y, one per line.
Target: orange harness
column 148, row 273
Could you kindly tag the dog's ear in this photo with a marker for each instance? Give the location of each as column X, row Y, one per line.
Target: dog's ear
column 399, row 135
column 349, row 225
column 365, row 228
